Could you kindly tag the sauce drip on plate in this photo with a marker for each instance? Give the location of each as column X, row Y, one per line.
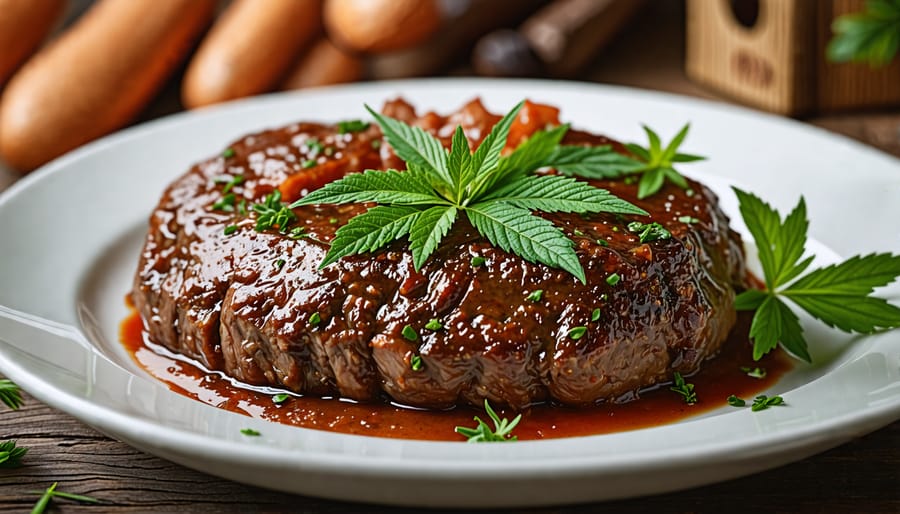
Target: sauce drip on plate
column 717, row 380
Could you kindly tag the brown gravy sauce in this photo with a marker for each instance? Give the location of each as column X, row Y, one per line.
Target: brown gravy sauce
column 713, row 384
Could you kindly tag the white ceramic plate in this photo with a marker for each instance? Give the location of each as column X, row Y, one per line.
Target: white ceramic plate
column 71, row 233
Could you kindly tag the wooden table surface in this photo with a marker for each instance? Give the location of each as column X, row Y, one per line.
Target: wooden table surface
column 860, row 476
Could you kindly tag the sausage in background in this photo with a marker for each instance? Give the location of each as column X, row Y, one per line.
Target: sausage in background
column 322, row 65
column 376, row 26
column 96, row 77
column 249, row 49
column 23, row 25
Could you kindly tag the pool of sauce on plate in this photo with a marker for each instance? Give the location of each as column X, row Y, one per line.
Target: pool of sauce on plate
column 717, row 380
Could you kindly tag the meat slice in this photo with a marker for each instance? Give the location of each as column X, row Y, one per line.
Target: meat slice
column 255, row 304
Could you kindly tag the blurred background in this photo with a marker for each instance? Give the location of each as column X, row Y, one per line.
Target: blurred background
column 73, row 71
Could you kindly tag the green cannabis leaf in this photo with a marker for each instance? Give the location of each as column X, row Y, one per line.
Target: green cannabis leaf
column 872, row 35
column 497, row 194
column 839, row 295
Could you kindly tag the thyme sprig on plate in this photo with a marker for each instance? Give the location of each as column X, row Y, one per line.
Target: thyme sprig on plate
column 483, row 433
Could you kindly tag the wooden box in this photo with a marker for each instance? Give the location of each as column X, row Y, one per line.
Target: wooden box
column 771, row 54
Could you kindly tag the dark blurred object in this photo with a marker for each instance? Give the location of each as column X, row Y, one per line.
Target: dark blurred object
column 771, row 54
column 463, row 22
column 562, row 38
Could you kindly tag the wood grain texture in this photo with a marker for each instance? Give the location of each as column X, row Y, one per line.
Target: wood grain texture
column 861, row 476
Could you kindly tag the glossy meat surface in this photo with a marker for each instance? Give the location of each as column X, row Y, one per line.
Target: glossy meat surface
column 242, row 302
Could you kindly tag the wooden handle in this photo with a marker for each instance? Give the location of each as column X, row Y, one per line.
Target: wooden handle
column 559, row 39
column 249, row 49
column 96, row 77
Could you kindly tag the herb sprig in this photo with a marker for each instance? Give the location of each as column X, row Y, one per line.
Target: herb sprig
column 496, row 193
column 872, row 35
column 483, row 433
column 11, row 455
column 10, row 394
column 685, row 389
column 51, row 493
column 840, row 295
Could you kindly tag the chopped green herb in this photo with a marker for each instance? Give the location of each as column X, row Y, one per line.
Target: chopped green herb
column 536, row 295
column 11, row 455
column 649, row 231
column 298, row 233
column 250, row 432
column 613, row 279
column 604, row 297
column 630, row 180
column 226, row 203
column 329, row 151
column 309, row 163
column 376, row 144
column 228, row 153
column 434, row 324
column 333, row 221
column 415, row 363
column 595, row 315
column 315, row 318
column 688, row 219
column 315, row 147
column 272, row 213
column 230, row 229
column 734, row 401
column 235, row 181
column 689, row 192
column 577, row 333
column 279, row 263
column 483, row 433
column 685, row 389
column 10, row 394
column 477, row 261
column 602, row 242
column 281, row 397
column 754, row 372
column 578, row 233
column 409, row 333
column 345, row 127
column 242, row 208
column 763, row 402
column 615, row 229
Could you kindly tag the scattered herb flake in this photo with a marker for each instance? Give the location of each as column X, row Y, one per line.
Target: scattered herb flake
column 536, row 295
column 228, row 153
column 577, row 333
column 298, row 233
column 685, row 389
column 329, row 151
column 763, row 402
column 280, row 398
column 754, row 372
column 688, row 219
column 434, row 324
column 346, row 127
column 376, row 144
column 415, row 363
column 477, row 261
column 235, row 181
column 226, row 203
column 315, row 147
column 250, row 432
column 230, row 229
column 613, row 279
column 279, row 263
column 734, row 401
column 578, row 233
column 649, row 231
column 602, row 242
column 333, row 221
column 596, row 314
column 315, row 318
column 273, row 214
column 409, row 333
column 309, row 163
